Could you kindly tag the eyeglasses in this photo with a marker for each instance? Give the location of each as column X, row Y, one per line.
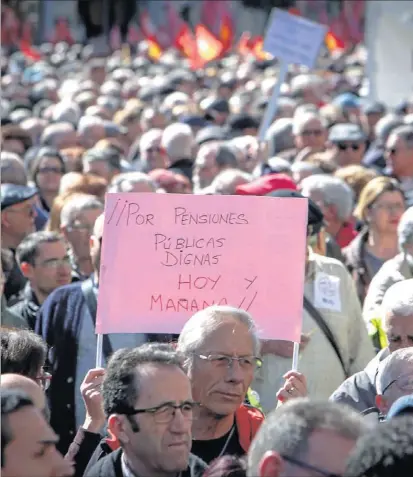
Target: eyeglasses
column 51, row 170
column 80, row 228
column 389, row 207
column 56, row 263
column 405, row 383
column 306, row 466
column 391, row 151
column 43, row 380
column 343, row 146
column 164, row 413
column 224, row 361
column 312, row 132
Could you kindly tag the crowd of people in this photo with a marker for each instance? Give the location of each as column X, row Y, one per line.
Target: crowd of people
column 217, row 400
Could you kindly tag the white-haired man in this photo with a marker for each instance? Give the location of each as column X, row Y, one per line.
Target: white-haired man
column 152, row 154
column 178, row 142
column 336, row 200
column 133, row 182
column 359, row 391
column 90, row 130
column 221, row 350
column 394, row 270
column 394, row 379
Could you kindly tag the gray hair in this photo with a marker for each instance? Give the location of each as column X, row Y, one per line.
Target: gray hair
column 280, row 136
column 66, row 111
column 405, row 229
column 405, row 133
column 226, row 181
column 87, row 122
column 204, row 322
column 386, row 125
column 398, row 300
column 12, row 169
column 300, row 120
column 287, row 430
column 148, row 137
column 55, row 131
column 392, row 367
column 279, row 165
column 306, row 167
column 76, row 205
column 124, row 182
column 178, row 141
column 334, row 191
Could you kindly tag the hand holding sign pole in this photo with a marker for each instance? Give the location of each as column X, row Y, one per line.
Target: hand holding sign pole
column 292, row 40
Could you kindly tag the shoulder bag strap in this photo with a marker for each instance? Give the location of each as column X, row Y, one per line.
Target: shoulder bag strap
column 318, row 318
column 90, row 298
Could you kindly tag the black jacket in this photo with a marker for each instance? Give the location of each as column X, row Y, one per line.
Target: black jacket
column 27, row 306
column 110, row 466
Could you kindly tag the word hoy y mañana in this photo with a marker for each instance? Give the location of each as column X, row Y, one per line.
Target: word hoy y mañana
column 130, row 213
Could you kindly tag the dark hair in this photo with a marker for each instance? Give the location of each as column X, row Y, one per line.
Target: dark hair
column 22, row 352
column 226, row 156
column 288, row 429
column 12, row 400
column 28, row 248
column 13, row 131
column 43, row 152
column 6, row 261
column 386, row 451
column 121, row 385
column 227, row 466
column 111, row 155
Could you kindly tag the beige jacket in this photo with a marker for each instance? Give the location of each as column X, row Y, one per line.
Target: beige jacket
column 394, row 270
column 318, row 361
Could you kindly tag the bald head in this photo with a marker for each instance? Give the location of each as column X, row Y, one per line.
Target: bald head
column 34, row 391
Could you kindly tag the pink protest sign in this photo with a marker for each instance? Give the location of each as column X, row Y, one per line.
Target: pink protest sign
column 166, row 256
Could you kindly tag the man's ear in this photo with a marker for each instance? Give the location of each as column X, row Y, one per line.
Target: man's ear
column 4, row 221
column 63, row 231
column 271, row 465
column 26, row 269
column 116, row 427
column 381, row 404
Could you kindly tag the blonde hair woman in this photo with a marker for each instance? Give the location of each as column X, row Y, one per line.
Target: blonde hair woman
column 380, row 207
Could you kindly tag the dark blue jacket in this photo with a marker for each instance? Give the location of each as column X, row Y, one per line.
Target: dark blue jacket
column 58, row 322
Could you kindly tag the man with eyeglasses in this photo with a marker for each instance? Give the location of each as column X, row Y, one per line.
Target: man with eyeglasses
column 148, row 401
column 152, row 155
column 43, row 259
column 394, row 379
column 305, row 439
column 348, row 144
column 18, row 215
column 399, row 158
column 359, row 391
column 221, row 350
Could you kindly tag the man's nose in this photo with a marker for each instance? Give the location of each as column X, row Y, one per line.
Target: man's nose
column 235, row 372
column 179, row 423
column 61, row 467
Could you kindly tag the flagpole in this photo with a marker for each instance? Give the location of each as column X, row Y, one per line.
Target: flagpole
column 272, row 104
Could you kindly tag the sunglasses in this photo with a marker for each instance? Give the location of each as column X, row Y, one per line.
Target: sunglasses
column 153, row 149
column 343, row 146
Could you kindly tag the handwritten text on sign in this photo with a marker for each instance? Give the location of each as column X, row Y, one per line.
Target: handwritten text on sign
column 166, row 257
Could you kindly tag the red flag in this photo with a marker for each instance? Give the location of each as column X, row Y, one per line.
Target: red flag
column 333, row 43
column 226, row 33
column 256, row 48
column 209, row 48
column 186, row 43
column 28, row 51
column 244, row 44
column 154, row 49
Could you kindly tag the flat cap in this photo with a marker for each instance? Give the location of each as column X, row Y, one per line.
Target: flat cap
column 12, row 194
column 346, row 132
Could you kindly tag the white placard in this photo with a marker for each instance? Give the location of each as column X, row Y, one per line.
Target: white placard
column 293, row 39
